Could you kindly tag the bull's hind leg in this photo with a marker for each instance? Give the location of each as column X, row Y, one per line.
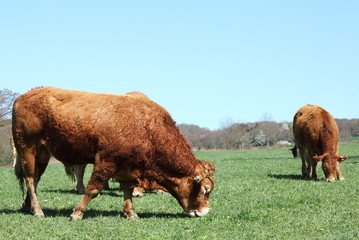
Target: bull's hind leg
column 101, row 173
column 35, row 161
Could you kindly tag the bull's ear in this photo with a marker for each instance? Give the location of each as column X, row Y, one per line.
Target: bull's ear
column 342, row 158
column 206, row 169
column 209, row 168
column 318, row 158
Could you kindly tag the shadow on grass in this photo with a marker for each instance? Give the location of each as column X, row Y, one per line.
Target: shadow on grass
column 162, row 215
column 351, row 158
column 287, row 176
column 111, row 193
column 92, row 213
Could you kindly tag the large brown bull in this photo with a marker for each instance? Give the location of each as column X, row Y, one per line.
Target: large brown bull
column 127, row 137
column 316, row 135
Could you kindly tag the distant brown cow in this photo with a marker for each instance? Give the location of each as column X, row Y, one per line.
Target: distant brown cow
column 127, row 137
column 316, row 135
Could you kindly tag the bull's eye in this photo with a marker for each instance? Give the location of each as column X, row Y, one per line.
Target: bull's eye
column 207, row 189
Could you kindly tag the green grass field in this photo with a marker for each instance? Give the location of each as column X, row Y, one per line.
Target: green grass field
column 259, row 194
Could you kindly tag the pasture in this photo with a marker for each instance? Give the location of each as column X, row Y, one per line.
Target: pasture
column 259, row 194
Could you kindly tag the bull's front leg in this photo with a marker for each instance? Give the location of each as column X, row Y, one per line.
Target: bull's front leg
column 101, row 173
column 128, row 208
column 80, row 209
column 93, row 189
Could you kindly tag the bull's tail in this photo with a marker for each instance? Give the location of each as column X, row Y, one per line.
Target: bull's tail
column 20, row 174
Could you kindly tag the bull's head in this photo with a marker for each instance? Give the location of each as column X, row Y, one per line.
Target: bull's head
column 330, row 165
column 193, row 193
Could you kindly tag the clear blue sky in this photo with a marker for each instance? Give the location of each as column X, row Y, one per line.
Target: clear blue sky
column 206, row 62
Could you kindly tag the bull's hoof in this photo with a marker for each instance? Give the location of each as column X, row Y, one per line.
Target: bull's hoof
column 81, row 192
column 39, row 215
column 74, row 217
column 132, row 217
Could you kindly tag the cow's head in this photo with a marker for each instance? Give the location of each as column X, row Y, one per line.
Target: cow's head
column 193, row 193
column 330, row 163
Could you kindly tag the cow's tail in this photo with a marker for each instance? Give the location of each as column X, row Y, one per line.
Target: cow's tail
column 20, row 174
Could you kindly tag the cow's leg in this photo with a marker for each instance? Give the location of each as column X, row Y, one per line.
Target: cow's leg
column 34, row 164
column 79, row 170
column 305, row 168
column 312, row 165
column 339, row 173
column 313, row 169
column 304, row 162
column 128, row 208
column 101, row 173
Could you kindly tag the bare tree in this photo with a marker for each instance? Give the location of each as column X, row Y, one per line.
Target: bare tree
column 7, row 99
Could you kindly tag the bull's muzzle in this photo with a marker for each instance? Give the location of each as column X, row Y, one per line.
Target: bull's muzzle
column 196, row 213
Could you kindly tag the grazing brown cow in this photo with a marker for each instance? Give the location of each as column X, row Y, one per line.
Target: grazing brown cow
column 316, row 135
column 127, row 137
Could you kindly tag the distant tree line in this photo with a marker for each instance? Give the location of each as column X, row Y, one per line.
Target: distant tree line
column 259, row 134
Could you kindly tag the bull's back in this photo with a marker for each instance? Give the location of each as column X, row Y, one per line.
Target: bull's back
column 74, row 125
column 69, row 122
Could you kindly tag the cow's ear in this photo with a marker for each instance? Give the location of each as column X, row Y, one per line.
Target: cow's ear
column 318, row 158
column 342, row 158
